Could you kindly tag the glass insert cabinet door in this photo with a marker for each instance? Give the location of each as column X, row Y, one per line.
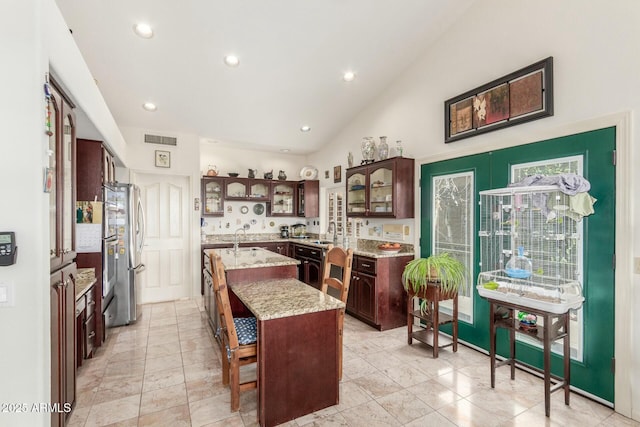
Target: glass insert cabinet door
column 380, row 191
column 259, row 190
column 356, row 193
column 51, row 183
column 283, row 199
column 213, row 200
column 236, row 189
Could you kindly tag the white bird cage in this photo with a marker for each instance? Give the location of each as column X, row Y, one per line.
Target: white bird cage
column 539, row 221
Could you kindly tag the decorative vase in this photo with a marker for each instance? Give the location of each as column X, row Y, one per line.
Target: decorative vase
column 368, row 147
column 350, row 159
column 383, row 148
column 399, row 148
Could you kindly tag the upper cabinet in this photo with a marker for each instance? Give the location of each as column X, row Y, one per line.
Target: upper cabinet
column 95, row 167
column 308, row 205
column 213, row 196
column 247, row 188
column 381, row 189
column 61, row 174
column 282, row 200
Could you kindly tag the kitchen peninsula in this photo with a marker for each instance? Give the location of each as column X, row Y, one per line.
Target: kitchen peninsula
column 297, row 333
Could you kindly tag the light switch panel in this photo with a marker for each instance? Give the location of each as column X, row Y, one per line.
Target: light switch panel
column 6, row 295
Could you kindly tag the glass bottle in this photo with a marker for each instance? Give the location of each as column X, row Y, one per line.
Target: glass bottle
column 399, row 148
column 383, row 148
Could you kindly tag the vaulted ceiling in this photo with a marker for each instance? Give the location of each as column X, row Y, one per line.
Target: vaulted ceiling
column 293, row 55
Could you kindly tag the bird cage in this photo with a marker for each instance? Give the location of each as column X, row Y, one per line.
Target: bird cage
column 530, row 248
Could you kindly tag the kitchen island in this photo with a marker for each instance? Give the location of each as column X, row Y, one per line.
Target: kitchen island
column 297, row 337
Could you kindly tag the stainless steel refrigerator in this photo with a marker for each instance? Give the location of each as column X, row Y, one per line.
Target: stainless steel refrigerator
column 128, row 222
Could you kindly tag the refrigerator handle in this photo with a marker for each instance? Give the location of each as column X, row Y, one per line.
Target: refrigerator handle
column 139, row 269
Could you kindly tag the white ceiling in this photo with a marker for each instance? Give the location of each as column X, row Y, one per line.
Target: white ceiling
column 292, row 57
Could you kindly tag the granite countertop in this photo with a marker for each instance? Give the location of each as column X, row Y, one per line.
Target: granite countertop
column 251, row 258
column 85, row 279
column 277, row 298
column 368, row 248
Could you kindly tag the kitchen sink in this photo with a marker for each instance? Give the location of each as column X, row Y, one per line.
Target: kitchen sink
column 321, row 242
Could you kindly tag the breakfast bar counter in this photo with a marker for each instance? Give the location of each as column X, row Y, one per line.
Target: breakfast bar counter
column 297, row 334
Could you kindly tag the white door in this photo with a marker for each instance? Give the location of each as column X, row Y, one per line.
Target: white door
column 165, row 200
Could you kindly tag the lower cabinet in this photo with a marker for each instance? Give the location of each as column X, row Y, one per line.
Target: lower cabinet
column 311, row 264
column 86, row 325
column 63, row 343
column 376, row 295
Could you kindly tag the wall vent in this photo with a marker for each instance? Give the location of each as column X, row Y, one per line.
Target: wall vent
column 159, row 139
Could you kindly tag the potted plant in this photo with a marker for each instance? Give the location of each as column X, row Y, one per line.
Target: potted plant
column 437, row 276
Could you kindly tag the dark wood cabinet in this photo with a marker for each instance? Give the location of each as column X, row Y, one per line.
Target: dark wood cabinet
column 254, row 189
column 96, row 168
column 308, row 196
column 63, row 341
column 311, row 264
column 213, row 192
column 282, row 199
column 86, row 317
column 61, row 178
column 376, row 295
column 381, row 189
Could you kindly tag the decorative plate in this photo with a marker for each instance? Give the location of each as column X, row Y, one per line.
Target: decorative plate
column 308, row 172
column 258, row 209
column 244, row 209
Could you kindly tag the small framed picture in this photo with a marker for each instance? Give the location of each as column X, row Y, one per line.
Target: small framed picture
column 337, row 173
column 163, row 159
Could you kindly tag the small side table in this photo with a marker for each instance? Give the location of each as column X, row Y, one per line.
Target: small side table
column 432, row 318
column 555, row 327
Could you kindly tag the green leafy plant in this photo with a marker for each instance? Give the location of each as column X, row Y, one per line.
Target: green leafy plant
column 438, row 270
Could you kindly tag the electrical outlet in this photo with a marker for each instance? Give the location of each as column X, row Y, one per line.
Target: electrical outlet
column 636, row 265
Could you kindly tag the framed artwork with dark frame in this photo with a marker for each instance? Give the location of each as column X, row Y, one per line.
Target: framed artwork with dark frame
column 163, row 159
column 522, row 96
column 337, row 173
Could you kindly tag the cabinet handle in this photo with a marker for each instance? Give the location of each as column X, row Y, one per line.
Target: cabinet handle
column 92, row 334
column 366, row 265
column 306, row 262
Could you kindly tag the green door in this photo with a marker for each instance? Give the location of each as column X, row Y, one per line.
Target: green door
column 594, row 336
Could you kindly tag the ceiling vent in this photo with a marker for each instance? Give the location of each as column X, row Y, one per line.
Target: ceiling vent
column 159, row 139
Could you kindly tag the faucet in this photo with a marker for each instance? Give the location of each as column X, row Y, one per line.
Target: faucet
column 335, row 231
column 236, row 242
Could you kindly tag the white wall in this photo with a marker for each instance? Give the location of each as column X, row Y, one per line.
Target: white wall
column 595, row 75
column 24, row 328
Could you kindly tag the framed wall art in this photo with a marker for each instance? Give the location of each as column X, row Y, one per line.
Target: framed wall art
column 337, row 173
column 163, row 159
column 522, row 96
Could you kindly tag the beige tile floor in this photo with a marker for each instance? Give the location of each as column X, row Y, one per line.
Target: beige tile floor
column 165, row 371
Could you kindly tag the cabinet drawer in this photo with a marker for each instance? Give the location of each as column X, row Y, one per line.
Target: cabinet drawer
column 366, row 265
column 81, row 304
column 315, row 253
column 89, row 336
column 91, row 303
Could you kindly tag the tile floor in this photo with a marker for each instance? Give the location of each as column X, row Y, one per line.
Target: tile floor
column 165, row 371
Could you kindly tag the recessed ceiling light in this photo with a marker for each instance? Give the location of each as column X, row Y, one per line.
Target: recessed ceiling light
column 232, row 60
column 348, row 76
column 149, row 106
column 284, row 150
column 143, row 30
column 305, row 128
